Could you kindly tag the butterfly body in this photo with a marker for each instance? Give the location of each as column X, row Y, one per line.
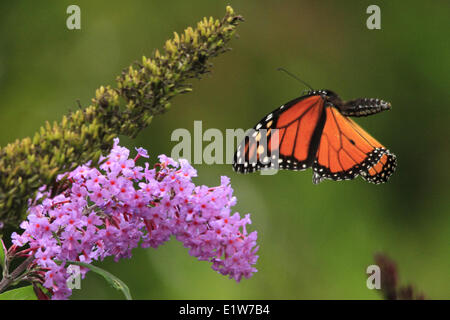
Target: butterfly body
column 315, row 131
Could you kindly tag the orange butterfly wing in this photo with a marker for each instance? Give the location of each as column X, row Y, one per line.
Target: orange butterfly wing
column 296, row 128
column 346, row 151
column 295, row 122
column 312, row 132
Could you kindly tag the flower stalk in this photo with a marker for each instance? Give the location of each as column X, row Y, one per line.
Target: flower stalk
column 16, row 276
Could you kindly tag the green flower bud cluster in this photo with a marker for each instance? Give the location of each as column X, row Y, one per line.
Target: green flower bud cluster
column 143, row 90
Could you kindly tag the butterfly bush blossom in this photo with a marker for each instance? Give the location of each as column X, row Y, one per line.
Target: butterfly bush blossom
column 111, row 210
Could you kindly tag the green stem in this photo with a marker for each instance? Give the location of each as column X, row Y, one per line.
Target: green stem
column 9, row 279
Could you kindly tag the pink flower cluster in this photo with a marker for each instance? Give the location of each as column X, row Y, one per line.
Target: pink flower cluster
column 111, row 210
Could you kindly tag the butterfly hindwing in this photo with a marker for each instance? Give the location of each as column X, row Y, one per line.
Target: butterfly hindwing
column 346, row 151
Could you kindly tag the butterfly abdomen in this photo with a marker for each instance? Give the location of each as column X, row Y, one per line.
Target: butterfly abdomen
column 363, row 107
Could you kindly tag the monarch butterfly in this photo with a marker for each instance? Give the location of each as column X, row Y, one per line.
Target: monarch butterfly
column 315, row 131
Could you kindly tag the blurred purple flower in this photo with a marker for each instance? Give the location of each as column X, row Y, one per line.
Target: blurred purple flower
column 390, row 287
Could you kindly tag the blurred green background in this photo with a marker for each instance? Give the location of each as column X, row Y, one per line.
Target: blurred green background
column 316, row 241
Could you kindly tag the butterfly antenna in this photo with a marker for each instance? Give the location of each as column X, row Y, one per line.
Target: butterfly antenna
column 295, row 77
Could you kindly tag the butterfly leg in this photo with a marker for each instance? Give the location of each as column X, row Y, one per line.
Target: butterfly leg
column 363, row 107
column 317, row 178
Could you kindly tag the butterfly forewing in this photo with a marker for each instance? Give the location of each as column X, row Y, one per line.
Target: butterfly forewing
column 288, row 133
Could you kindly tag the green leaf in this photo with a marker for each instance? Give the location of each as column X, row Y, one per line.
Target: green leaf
column 24, row 293
column 2, row 253
column 113, row 280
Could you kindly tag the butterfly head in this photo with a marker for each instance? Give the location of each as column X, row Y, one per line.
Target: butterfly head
column 330, row 97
